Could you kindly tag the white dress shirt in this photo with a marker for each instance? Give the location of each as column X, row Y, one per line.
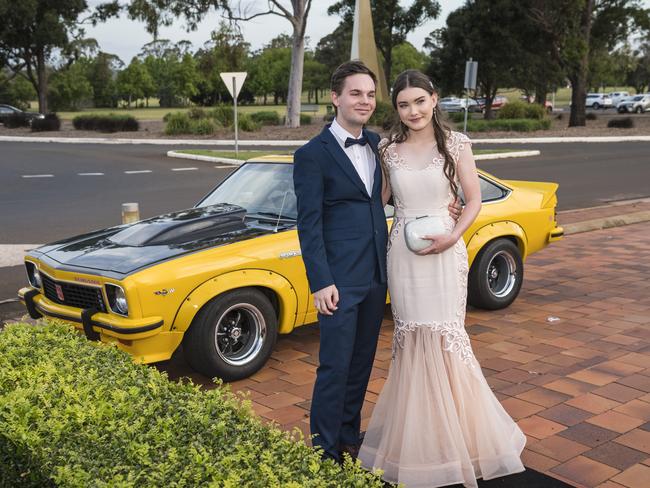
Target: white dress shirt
column 362, row 157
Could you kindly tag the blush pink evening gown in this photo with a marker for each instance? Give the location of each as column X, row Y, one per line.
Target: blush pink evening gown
column 436, row 421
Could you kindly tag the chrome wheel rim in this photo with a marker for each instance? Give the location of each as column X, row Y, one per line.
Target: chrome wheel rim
column 501, row 274
column 240, row 334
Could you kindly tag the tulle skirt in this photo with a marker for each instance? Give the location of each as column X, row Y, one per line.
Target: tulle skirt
column 437, row 422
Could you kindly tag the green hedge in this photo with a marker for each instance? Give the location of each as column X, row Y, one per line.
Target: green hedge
column 51, row 122
column 383, row 116
column 75, row 413
column 106, row 123
column 515, row 125
column 624, row 123
column 266, row 117
column 522, row 110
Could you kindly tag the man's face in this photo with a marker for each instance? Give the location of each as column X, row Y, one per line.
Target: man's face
column 356, row 103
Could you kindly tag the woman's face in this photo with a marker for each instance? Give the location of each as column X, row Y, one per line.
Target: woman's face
column 415, row 107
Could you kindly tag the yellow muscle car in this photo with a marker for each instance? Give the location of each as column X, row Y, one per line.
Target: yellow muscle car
column 225, row 277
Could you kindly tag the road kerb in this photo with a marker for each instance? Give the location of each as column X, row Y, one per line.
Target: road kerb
column 606, row 222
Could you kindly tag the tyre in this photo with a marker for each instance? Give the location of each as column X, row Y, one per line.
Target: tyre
column 638, row 110
column 232, row 336
column 595, row 106
column 496, row 275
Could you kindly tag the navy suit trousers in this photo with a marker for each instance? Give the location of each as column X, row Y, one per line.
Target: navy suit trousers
column 348, row 341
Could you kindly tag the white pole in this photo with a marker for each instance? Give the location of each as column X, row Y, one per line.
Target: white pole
column 234, row 90
column 466, row 110
column 130, row 213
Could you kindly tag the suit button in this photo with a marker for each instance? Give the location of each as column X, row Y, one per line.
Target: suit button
column 376, row 232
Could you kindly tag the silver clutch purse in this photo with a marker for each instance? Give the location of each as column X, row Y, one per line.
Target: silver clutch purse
column 415, row 230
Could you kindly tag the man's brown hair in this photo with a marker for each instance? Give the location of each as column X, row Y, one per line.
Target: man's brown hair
column 349, row 68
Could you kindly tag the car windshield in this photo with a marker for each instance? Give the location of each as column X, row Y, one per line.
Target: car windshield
column 636, row 99
column 263, row 189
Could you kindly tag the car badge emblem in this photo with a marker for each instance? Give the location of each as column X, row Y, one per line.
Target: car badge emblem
column 59, row 292
column 164, row 292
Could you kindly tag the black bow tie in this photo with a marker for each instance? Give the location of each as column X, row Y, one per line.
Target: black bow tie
column 350, row 141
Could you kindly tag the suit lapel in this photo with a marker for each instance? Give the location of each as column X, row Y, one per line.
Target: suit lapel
column 332, row 146
column 372, row 140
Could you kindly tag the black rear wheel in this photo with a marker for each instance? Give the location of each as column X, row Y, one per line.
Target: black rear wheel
column 496, row 275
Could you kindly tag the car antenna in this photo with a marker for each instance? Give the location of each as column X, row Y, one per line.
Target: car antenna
column 277, row 224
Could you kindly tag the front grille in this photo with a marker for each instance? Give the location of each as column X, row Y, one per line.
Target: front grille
column 79, row 296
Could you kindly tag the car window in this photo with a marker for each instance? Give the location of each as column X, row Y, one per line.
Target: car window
column 259, row 188
column 5, row 110
column 489, row 191
column 636, row 99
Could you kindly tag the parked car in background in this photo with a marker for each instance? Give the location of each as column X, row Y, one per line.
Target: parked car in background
column 225, row 277
column 598, row 100
column 498, row 102
column 637, row 104
column 618, row 96
column 623, row 100
column 8, row 111
column 455, row 104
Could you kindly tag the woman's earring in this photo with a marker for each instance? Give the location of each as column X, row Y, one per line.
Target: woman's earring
column 435, row 114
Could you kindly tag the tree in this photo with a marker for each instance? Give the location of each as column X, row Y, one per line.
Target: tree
column 391, row 22
column 102, row 73
column 134, row 81
column 316, row 77
column 32, row 32
column 297, row 15
column 334, row 49
column 471, row 32
column 406, row 56
column 638, row 75
column 15, row 90
column 69, row 88
column 226, row 51
column 577, row 28
column 269, row 70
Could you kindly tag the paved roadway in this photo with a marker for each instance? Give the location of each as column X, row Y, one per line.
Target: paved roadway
column 50, row 191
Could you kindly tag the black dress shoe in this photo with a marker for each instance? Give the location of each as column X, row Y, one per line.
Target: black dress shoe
column 351, row 449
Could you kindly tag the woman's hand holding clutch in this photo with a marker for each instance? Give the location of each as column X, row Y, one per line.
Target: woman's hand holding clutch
column 439, row 243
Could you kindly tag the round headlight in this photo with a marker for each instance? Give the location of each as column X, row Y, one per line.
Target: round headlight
column 120, row 301
column 38, row 282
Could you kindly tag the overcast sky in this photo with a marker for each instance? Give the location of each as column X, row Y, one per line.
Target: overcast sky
column 124, row 37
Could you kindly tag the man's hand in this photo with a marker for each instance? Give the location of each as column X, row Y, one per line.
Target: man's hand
column 455, row 209
column 326, row 299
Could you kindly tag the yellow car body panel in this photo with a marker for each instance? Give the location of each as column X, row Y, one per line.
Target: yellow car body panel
column 172, row 292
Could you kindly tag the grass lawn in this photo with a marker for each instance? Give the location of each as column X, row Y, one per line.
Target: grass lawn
column 244, row 155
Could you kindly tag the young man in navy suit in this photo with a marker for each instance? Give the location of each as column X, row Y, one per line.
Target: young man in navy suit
column 342, row 230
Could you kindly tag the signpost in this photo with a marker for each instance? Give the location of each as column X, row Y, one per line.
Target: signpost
column 471, row 68
column 234, row 82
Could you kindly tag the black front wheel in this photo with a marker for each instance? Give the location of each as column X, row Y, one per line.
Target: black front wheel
column 232, row 336
column 496, row 275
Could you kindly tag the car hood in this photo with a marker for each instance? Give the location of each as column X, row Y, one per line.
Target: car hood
column 127, row 248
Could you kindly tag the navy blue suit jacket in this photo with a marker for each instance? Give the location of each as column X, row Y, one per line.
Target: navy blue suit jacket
column 342, row 229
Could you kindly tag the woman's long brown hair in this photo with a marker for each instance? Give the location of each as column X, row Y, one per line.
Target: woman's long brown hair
column 412, row 78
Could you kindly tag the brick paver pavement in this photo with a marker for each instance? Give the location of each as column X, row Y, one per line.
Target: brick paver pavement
column 569, row 360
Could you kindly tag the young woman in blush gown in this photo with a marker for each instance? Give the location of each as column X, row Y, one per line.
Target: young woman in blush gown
column 436, row 421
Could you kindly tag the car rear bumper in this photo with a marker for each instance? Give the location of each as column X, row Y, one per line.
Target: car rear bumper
column 556, row 234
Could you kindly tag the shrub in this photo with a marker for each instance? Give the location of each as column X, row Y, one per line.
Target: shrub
column 305, row 119
column 247, row 124
column 457, row 117
column 559, row 117
column 516, row 125
column 79, row 413
column 328, row 117
column 106, row 123
column 197, row 113
column 222, row 114
column 591, row 116
column 49, row 123
column 384, row 115
column 624, row 123
column 522, row 110
column 268, row 117
column 16, row 120
column 203, row 127
column 177, row 123
column 167, row 116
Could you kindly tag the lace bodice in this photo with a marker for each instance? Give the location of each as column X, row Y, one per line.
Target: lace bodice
column 423, row 187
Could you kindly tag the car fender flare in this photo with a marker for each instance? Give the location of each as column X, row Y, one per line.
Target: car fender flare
column 285, row 293
column 505, row 229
